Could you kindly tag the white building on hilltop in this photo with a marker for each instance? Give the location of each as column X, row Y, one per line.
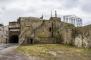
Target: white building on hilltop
column 72, row 19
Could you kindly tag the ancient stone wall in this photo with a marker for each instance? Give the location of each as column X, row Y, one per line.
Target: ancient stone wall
column 83, row 37
column 35, row 30
column 3, row 34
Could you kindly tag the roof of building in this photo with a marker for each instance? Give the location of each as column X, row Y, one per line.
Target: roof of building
column 29, row 18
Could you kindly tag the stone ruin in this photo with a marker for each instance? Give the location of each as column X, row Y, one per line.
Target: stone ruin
column 33, row 30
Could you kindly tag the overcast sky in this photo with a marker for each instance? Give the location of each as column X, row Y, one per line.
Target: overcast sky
column 10, row 10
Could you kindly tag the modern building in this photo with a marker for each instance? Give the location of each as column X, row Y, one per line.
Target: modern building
column 73, row 20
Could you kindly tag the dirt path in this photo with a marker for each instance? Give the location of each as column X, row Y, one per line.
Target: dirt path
column 11, row 54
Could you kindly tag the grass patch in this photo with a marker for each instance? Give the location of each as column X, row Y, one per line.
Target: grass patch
column 54, row 50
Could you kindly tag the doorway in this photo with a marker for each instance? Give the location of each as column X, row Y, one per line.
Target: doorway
column 14, row 39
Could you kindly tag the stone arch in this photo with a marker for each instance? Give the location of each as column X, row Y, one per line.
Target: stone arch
column 14, row 39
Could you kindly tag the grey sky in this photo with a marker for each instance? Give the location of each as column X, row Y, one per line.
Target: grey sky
column 10, row 10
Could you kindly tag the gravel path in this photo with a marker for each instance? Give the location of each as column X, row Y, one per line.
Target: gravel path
column 11, row 54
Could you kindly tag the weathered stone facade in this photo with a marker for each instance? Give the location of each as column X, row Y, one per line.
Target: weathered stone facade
column 32, row 30
column 36, row 30
column 83, row 36
column 3, row 34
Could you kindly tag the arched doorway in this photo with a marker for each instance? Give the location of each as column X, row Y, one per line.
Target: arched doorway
column 30, row 40
column 14, row 39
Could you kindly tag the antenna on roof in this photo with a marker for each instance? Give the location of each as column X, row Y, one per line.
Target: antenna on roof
column 55, row 13
column 51, row 13
column 41, row 16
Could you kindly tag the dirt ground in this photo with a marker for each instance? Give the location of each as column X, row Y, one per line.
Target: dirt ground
column 11, row 54
column 56, row 52
column 45, row 52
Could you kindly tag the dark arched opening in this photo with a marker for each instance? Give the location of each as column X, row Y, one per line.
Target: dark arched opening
column 30, row 40
column 14, row 39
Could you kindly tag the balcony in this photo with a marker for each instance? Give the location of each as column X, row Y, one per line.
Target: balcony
column 14, row 26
